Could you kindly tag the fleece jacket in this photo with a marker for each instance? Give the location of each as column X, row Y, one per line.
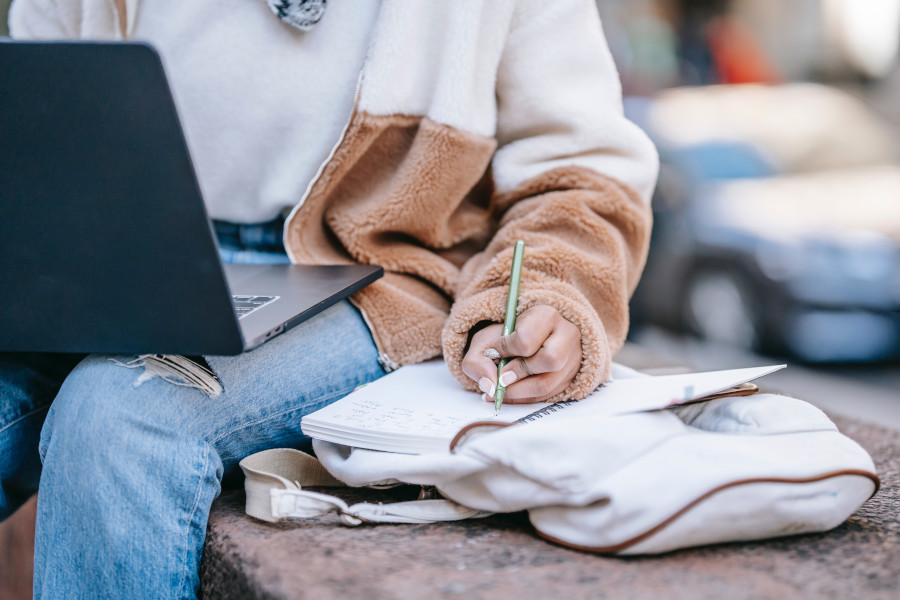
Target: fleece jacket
column 476, row 123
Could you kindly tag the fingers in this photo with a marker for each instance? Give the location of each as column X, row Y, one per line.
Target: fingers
column 545, row 374
column 539, row 388
column 546, row 350
column 533, row 328
column 479, row 363
column 479, row 367
column 552, row 356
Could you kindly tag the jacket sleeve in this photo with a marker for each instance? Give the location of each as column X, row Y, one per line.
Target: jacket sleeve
column 573, row 178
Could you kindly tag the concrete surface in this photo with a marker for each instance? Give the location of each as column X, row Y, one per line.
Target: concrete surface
column 499, row 557
column 17, row 552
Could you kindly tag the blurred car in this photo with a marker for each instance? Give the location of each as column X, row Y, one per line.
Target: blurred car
column 777, row 221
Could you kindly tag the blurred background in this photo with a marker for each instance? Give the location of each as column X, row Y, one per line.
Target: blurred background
column 777, row 215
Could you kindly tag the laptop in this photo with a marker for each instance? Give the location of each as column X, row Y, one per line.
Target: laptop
column 105, row 244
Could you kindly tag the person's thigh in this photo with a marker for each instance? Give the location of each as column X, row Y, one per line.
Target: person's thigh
column 28, row 384
column 132, row 462
column 273, row 386
column 265, row 392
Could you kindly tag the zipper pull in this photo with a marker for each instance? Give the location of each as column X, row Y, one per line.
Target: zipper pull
column 387, row 364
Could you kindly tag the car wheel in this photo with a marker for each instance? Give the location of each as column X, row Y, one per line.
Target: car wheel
column 721, row 307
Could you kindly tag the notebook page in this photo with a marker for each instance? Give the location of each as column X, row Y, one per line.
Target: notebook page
column 641, row 394
column 415, row 404
column 420, row 408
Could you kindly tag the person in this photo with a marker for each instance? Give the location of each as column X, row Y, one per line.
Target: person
column 422, row 136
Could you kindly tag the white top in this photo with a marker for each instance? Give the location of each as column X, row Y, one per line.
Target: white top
column 261, row 102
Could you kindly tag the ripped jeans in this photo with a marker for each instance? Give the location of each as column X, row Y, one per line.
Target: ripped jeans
column 131, row 464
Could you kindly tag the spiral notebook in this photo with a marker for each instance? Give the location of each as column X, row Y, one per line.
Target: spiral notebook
column 419, row 409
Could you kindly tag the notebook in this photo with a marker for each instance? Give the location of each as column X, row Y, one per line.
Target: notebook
column 419, row 409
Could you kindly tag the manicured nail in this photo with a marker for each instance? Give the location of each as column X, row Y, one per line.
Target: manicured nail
column 507, row 378
column 492, row 354
column 487, row 386
column 486, row 398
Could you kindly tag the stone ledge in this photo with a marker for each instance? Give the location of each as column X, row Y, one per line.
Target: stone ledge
column 500, row 557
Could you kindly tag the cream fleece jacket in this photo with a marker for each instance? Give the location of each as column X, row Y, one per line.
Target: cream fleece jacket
column 477, row 122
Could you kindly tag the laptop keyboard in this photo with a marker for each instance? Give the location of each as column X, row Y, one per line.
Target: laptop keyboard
column 244, row 305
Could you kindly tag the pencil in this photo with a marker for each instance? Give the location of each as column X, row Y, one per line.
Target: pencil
column 509, row 324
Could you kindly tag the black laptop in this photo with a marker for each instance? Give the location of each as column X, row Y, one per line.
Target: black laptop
column 105, row 244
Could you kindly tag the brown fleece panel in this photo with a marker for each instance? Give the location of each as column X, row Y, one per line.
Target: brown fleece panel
column 615, row 202
column 586, row 239
column 387, row 197
column 407, row 316
column 415, row 197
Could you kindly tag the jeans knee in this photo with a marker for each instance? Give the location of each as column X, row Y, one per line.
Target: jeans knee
column 78, row 416
column 100, row 422
column 126, row 485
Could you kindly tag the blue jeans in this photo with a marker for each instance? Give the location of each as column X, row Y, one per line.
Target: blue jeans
column 130, row 468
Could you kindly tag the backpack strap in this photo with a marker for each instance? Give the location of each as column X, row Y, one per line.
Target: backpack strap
column 274, row 485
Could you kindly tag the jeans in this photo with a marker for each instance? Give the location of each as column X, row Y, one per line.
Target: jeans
column 251, row 244
column 131, row 463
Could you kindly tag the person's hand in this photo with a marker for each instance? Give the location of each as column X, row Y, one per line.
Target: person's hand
column 547, row 351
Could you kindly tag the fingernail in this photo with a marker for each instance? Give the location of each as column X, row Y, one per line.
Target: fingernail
column 492, row 354
column 486, row 386
column 486, row 398
column 507, row 378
